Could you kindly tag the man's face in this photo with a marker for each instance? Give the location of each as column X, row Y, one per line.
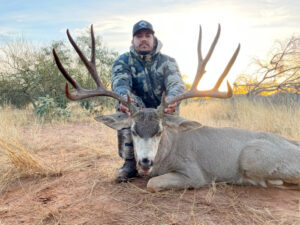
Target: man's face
column 143, row 41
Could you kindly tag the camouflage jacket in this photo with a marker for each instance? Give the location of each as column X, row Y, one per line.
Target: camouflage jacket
column 146, row 76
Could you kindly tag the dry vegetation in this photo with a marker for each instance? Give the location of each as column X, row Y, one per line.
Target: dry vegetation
column 243, row 113
column 63, row 173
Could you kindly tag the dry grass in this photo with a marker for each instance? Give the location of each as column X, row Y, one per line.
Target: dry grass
column 85, row 153
column 218, row 204
column 244, row 113
column 16, row 160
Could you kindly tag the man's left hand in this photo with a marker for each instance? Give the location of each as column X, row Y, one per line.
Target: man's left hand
column 171, row 108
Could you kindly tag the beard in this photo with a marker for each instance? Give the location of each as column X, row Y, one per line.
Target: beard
column 144, row 52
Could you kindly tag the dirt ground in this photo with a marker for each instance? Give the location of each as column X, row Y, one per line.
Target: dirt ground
column 85, row 191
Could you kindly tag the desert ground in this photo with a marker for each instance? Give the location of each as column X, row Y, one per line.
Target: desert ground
column 63, row 172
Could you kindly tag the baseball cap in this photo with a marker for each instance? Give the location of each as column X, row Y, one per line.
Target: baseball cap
column 143, row 24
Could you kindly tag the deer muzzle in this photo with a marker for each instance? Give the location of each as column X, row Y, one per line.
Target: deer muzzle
column 144, row 166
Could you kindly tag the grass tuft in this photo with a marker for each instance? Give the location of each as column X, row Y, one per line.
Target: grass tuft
column 21, row 163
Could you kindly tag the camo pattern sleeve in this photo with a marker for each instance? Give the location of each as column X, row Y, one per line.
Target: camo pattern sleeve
column 121, row 79
column 173, row 80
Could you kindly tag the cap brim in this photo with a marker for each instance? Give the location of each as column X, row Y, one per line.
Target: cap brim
column 141, row 30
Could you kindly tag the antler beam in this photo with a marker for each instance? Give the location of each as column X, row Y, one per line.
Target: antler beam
column 214, row 92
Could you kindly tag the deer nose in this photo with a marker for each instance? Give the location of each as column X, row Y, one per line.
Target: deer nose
column 145, row 163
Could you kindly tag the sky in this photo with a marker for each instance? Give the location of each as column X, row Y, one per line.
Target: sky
column 255, row 24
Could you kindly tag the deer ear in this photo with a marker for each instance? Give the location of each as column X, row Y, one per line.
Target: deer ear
column 115, row 121
column 179, row 124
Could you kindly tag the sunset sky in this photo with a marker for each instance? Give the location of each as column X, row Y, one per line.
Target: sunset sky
column 254, row 24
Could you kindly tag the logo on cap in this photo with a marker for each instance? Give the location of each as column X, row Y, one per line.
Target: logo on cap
column 143, row 24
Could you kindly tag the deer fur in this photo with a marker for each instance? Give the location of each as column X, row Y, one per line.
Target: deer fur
column 191, row 155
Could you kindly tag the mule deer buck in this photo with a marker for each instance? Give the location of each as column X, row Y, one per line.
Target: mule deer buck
column 179, row 153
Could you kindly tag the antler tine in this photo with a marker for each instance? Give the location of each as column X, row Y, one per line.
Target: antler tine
column 93, row 58
column 91, row 66
column 214, row 92
column 64, row 72
column 200, row 59
column 228, row 67
column 202, row 63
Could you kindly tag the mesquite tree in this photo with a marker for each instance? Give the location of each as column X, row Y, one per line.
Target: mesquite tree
column 279, row 74
column 28, row 72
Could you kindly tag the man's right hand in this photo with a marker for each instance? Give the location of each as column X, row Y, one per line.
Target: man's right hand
column 124, row 109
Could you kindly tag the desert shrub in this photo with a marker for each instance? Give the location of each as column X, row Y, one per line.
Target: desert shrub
column 49, row 109
column 28, row 72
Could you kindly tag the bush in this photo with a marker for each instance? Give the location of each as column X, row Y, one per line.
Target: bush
column 28, row 72
column 48, row 109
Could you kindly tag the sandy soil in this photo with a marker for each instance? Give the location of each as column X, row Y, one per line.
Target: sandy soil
column 86, row 193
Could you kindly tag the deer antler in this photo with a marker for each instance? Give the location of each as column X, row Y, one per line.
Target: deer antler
column 81, row 93
column 214, row 92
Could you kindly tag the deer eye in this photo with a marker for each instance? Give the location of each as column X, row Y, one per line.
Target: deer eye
column 133, row 133
column 158, row 133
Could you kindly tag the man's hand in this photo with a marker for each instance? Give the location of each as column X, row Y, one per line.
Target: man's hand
column 124, row 109
column 171, row 108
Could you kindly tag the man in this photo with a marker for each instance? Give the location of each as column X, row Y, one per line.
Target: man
column 145, row 74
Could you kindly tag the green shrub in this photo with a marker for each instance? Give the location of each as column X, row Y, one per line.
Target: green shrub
column 49, row 109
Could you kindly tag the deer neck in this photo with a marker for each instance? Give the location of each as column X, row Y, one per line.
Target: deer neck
column 164, row 159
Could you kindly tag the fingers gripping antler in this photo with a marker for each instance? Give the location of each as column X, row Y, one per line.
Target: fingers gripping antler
column 214, row 92
column 81, row 93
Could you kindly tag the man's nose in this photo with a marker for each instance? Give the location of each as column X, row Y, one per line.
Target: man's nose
column 143, row 38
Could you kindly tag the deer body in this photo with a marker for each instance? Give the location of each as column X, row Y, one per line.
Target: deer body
column 237, row 156
column 189, row 154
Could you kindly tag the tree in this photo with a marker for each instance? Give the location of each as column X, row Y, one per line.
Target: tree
column 28, row 73
column 280, row 74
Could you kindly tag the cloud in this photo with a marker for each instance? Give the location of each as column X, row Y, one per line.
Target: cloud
column 256, row 24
